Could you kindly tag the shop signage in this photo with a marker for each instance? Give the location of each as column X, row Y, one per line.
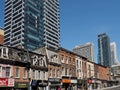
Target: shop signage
column 73, row 81
column 6, row 82
column 89, row 81
column 11, row 82
column 21, row 85
column 42, row 83
column 54, row 80
column 98, row 81
column 3, row 82
column 65, row 81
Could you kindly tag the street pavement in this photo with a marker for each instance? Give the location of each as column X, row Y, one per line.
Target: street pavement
column 111, row 88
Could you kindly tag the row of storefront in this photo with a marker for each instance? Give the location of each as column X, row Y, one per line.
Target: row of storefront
column 66, row 83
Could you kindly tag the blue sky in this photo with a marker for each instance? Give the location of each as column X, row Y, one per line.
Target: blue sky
column 82, row 20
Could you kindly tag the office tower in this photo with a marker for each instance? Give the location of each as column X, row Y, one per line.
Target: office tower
column 104, row 55
column 31, row 24
column 86, row 50
column 1, row 36
column 114, row 57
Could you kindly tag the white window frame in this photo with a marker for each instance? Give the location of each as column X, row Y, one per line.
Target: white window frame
column 8, row 72
column 17, row 74
column 24, row 73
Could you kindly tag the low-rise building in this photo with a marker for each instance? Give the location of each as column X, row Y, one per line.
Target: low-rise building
column 21, row 66
column 102, row 76
column 38, row 73
column 54, row 67
column 15, row 69
column 68, row 69
column 115, row 73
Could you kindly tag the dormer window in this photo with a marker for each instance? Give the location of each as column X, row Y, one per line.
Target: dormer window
column 4, row 52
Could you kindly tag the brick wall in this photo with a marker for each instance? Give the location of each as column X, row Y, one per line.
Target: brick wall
column 103, row 72
column 71, row 61
column 1, row 39
column 20, row 79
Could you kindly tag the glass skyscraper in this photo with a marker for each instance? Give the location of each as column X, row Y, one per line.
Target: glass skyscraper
column 104, row 54
column 31, row 24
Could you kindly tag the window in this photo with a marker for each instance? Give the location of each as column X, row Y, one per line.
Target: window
column 33, row 74
column 66, row 60
column 77, row 64
column 24, row 73
column 43, row 75
column 50, row 72
column 67, row 71
column 62, row 58
column 69, row 59
column 38, row 74
column 58, row 73
column 53, row 72
column 41, row 62
column 73, row 72
column 17, row 71
column 80, row 64
column 63, row 71
column 7, row 71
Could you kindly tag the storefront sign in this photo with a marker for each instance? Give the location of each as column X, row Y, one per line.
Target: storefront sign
column 54, row 80
column 89, row 81
column 42, row 83
column 11, row 82
column 21, row 85
column 98, row 81
column 73, row 81
column 65, row 81
column 7, row 82
column 3, row 82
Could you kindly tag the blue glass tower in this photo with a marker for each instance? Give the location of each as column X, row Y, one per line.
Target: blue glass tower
column 104, row 56
column 31, row 24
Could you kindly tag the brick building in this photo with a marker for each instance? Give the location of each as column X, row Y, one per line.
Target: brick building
column 68, row 68
column 1, row 36
column 102, row 76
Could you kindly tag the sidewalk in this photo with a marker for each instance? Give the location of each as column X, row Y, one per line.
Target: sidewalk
column 107, row 88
